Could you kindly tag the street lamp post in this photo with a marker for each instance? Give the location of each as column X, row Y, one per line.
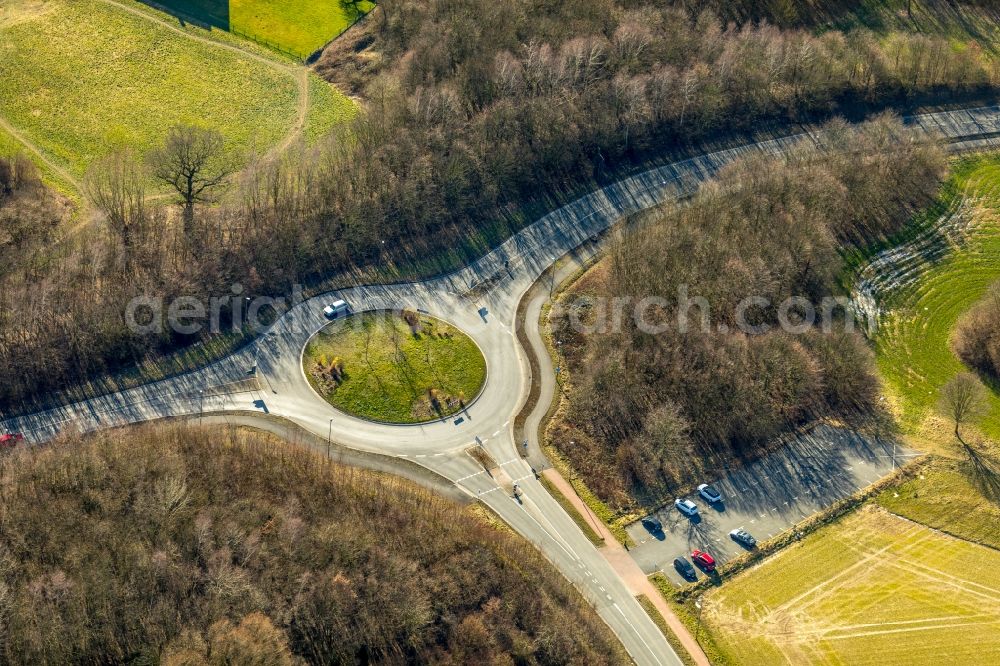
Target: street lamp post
column 329, row 439
column 697, row 633
column 201, row 406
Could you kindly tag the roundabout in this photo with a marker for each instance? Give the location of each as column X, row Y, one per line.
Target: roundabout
column 267, row 381
column 395, row 367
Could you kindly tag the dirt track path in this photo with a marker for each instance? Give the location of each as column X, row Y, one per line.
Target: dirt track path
column 299, row 73
column 37, row 151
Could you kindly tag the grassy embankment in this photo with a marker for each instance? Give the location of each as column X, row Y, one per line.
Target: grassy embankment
column 379, row 366
column 140, row 78
column 298, row 27
column 913, row 344
column 290, row 26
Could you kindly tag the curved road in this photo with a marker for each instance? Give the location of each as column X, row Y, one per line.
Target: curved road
column 482, row 299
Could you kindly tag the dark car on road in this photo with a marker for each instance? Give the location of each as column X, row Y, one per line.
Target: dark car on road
column 704, row 560
column 743, row 538
column 709, row 493
column 685, row 569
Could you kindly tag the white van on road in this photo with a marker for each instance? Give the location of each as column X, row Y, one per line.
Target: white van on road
column 336, row 309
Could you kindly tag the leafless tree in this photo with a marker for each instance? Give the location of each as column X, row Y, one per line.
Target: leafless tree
column 193, row 162
column 115, row 185
column 962, row 400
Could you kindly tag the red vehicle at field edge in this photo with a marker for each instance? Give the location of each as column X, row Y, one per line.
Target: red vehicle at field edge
column 706, row 561
column 9, row 441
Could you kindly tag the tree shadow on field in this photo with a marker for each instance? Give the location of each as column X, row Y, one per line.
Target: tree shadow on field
column 204, row 13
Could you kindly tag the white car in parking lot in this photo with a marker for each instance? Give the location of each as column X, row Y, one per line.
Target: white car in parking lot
column 709, row 493
column 686, row 506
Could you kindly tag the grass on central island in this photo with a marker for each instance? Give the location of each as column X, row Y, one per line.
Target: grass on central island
column 395, row 367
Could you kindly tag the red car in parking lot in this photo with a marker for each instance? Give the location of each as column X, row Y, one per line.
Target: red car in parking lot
column 9, row 441
column 704, row 560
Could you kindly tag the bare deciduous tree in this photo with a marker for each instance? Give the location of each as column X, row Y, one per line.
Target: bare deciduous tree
column 962, row 400
column 115, row 185
column 193, row 162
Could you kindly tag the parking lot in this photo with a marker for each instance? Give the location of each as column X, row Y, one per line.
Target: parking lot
column 767, row 497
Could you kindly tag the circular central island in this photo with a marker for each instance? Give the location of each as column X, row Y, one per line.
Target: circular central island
column 396, row 367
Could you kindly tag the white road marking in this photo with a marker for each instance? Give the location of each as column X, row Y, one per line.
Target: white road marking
column 637, row 634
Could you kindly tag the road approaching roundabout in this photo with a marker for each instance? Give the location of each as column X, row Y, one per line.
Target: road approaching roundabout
column 481, row 301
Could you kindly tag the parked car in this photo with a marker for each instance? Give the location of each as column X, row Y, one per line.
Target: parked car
column 10, row 440
column 709, row 493
column 743, row 538
column 652, row 524
column 336, row 309
column 704, row 560
column 686, row 506
column 685, row 569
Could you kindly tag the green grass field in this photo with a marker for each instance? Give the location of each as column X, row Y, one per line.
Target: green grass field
column 299, row 27
column 389, row 371
column 79, row 78
column 942, row 497
column 872, row 588
column 913, row 344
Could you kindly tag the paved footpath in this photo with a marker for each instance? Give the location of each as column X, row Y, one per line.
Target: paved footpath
column 621, row 561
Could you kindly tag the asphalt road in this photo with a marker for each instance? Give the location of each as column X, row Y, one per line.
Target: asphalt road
column 768, row 497
column 481, row 299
